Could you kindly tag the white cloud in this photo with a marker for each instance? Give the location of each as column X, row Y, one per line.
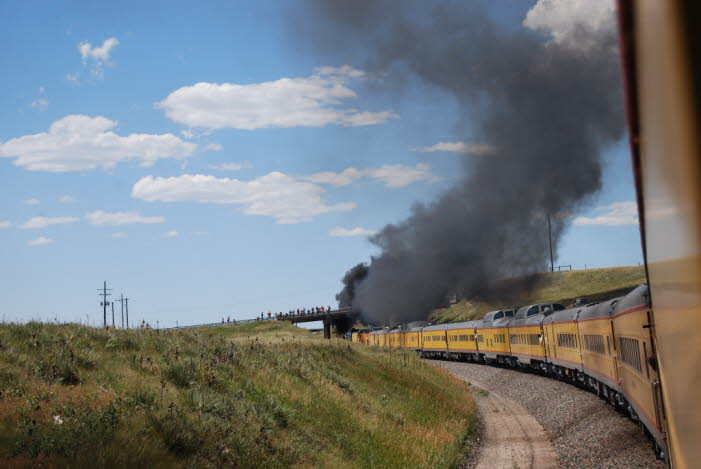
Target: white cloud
column 477, row 149
column 96, row 58
column 43, row 222
column 397, row 175
column 213, row 147
column 391, row 175
column 72, row 77
column 79, row 143
column 199, row 233
column 171, row 234
column 100, row 218
column 5, row 224
column 41, row 104
column 576, row 23
column 313, row 101
column 67, row 199
column 231, row 166
column 40, row 241
column 345, row 232
column 276, row 195
column 616, row 214
column 32, row 201
column 119, row 234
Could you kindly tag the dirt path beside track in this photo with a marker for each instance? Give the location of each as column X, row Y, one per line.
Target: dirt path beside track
column 512, row 438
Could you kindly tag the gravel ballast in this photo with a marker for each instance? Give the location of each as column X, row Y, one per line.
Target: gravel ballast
column 584, row 429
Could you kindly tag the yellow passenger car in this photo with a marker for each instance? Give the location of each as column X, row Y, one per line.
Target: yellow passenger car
column 562, row 342
column 597, row 343
column 493, row 335
column 461, row 339
column 637, row 373
column 412, row 338
column 434, row 340
column 526, row 334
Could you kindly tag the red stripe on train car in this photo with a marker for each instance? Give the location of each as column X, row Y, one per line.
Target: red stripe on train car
column 630, row 310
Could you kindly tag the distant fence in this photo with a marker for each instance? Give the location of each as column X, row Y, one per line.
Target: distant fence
column 563, row 267
column 211, row 324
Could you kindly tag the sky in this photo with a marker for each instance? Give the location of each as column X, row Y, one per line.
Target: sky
column 207, row 164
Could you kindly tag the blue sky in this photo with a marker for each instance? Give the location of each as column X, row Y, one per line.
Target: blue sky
column 205, row 163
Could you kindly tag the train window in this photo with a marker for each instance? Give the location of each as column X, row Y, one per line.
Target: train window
column 533, row 310
column 629, row 352
column 558, row 307
column 509, row 314
column 566, row 340
column 499, row 315
column 593, row 343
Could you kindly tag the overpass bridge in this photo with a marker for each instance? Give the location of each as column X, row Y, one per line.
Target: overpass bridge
column 341, row 320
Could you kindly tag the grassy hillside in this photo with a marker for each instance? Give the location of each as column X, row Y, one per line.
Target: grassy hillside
column 256, row 395
column 562, row 287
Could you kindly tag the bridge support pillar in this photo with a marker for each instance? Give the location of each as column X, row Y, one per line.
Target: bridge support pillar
column 327, row 328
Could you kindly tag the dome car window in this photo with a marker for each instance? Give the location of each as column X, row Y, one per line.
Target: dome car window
column 499, row 315
column 533, row 310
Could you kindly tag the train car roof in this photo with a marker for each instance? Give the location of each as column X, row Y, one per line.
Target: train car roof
column 379, row 331
column 436, row 327
column 638, row 297
column 598, row 310
column 461, row 325
column 563, row 315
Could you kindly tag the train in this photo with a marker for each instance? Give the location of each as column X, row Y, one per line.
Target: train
column 605, row 347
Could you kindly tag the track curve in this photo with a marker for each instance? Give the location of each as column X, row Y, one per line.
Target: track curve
column 584, row 430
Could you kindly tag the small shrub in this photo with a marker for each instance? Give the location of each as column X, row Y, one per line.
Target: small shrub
column 181, row 373
column 60, row 368
column 176, row 431
column 141, row 396
column 87, row 359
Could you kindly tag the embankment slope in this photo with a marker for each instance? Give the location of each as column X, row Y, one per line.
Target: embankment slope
column 257, row 395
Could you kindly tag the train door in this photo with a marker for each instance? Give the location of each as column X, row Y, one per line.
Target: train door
column 651, row 364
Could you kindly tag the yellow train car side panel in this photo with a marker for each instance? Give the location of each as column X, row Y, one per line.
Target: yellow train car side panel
column 434, row 340
column 598, row 351
column 494, row 341
column 462, row 340
column 394, row 339
column 355, row 337
column 563, row 344
column 411, row 340
column 526, row 343
column 635, row 374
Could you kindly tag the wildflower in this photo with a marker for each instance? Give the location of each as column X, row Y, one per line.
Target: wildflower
column 58, row 420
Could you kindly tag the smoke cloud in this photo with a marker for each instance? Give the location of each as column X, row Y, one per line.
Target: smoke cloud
column 350, row 280
column 546, row 103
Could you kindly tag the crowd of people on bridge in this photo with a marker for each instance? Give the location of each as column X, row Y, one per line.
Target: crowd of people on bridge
column 294, row 313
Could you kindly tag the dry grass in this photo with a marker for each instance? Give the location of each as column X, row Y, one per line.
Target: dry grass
column 256, row 395
column 562, row 287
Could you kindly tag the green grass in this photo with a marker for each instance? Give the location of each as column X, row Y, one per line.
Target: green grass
column 562, row 287
column 262, row 394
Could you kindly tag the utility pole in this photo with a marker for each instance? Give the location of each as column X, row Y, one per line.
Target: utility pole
column 104, row 302
column 550, row 240
column 126, row 300
column 113, row 314
column 121, row 300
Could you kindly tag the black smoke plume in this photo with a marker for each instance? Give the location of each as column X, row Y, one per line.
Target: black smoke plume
column 352, row 278
column 546, row 108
